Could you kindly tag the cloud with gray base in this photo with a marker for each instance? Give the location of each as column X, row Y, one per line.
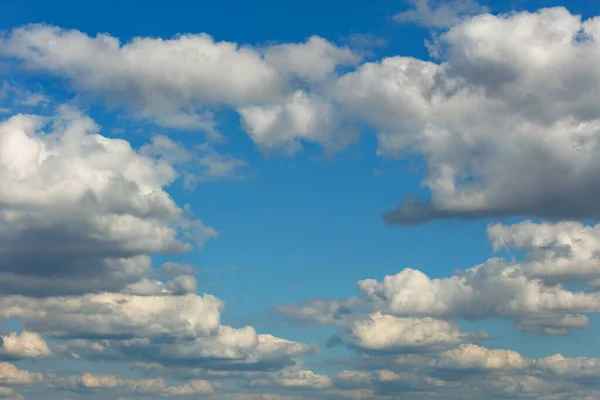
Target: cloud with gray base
column 489, row 85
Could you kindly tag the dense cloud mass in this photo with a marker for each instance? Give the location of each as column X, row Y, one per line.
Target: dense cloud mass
column 531, row 77
column 503, row 116
column 80, row 211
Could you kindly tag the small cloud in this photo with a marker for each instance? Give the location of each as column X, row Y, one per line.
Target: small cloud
column 202, row 163
column 439, row 14
column 365, row 41
column 34, row 99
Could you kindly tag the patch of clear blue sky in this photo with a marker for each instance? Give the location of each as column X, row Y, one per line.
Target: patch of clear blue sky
column 301, row 228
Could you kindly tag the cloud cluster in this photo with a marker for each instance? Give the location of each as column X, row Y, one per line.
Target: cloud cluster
column 503, row 117
column 80, row 211
column 179, row 81
column 490, row 84
column 405, row 327
column 81, row 215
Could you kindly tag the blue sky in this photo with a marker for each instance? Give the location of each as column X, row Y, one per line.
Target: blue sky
column 309, row 225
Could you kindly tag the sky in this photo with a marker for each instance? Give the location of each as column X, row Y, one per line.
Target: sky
column 292, row 200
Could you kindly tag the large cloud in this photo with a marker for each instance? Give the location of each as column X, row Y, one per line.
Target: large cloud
column 529, row 291
column 168, row 328
column 109, row 315
column 175, row 81
column 497, row 138
column 79, row 211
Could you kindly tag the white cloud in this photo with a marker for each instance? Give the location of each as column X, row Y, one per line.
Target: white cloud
column 225, row 349
column 440, row 13
column 116, row 315
column 79, row 210
column 163, row 79
column 119, row 384
column 388, row 333
column 27, row 345
column 567, row 252
column 294, row 377
column 496, row 138
column 299, row 117
column 493, row 289
column 582, row 369
column 469, row 356
column 9, row 394
column 10, row 375
column 496, row 288
column 176, row 82
column 311, row 61
column 492, row 84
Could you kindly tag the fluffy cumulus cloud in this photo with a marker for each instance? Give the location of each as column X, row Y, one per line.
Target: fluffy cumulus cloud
column 26, row 345
column 80, row 211
column 177, row 82
column 503, row 117
column 498, row 139
column 81, row 215
column 476, row 357
column 567, row 252
column 406, row 333
column 490, row 84
column 413, row 309
column 388, row 333
column 117, row 315
column 10, row 375
column 299, row 117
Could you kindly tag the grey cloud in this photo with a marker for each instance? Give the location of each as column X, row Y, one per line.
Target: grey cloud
column 496, row 139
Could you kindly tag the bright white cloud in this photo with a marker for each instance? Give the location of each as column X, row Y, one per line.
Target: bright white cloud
column 469, row 356
column 567, row 252
column 174, row 82
column 312, row 61
column 497, row 139
column 10, row 375
column 116, row 315
column 26, row 345
column 80, row 210
column 493, row 289
column 388, row 333
column 299, row 117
